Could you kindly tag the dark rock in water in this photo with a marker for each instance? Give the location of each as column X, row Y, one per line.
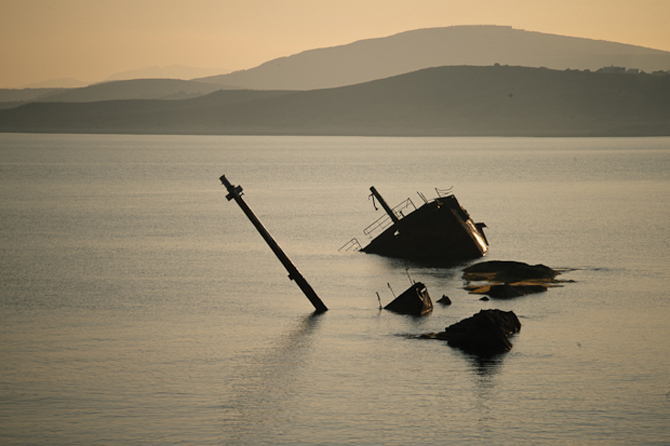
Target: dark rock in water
column 485, row 299
column 506, row 291
column 444, row 300
column 508, row 279
column 507, row 271
column 485, row 334
column 414, row 301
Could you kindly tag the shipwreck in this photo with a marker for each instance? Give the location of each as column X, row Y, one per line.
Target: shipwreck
column 438, row 232
column 414, row 301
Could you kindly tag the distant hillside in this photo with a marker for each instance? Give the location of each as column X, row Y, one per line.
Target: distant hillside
column 66, row 82
column 372, row 59
column 108, row 91
column 167, row 72
column 10, row 98
column 444, row 101
column 136, row 89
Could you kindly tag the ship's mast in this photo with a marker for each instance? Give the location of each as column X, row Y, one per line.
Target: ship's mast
column 235, row 193
column 384, row 205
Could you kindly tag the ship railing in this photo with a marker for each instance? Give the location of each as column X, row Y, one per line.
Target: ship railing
column 444, row 192
column 385, row 221
column 351, row 245
column 378, row 225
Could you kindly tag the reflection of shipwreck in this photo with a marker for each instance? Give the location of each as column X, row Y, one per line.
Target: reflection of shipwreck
column 439, row 231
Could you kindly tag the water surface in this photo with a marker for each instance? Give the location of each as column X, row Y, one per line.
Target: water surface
column 138, row 306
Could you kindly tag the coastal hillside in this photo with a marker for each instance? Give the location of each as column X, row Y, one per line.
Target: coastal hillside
column 106, row 91
column 409, row 51
column 10, row 97
column 443, row 101
column 368, row 60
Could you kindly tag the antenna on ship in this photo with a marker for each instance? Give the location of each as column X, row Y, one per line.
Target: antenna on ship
column 373, row 201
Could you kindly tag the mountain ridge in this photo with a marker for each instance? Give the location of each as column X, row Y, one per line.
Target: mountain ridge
column 442, row 101
column 136, row 89
column 475, row 45
column 378, row 58
column 112, row 90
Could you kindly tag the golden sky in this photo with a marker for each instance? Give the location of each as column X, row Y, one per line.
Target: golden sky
column 90, row 40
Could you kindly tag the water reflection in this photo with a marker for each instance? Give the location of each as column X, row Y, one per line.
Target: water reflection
column 262, row 392
column 486, row 371
column 485, row 366
column 445, row 271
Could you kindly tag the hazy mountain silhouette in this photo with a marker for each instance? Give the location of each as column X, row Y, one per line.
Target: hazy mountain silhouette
column 107, row 91
column 444, row 101
column 169, row 72
column 380, row 58
column 136, row 89
column 368, row 60
column 26, row 94
column 66, row 82
column 10, row 98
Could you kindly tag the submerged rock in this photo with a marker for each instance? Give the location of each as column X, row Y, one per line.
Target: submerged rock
column 507, row 291
column 444, row 300
column 485, row 333
column 507, row 271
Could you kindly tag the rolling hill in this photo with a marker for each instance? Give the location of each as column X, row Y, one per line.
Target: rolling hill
column 409, row 51
column 373, row 59
column 114, row 90
column 135, row 89
column 443, row 101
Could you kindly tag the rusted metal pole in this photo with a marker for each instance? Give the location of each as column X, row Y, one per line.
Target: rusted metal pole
column 384, row 205
column 235, row 193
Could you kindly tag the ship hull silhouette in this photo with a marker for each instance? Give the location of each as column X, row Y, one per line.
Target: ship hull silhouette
column 440, row 231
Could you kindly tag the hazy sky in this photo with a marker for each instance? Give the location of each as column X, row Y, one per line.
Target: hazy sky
column 90, row 40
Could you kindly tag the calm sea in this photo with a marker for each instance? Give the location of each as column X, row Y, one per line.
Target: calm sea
column 139, row 307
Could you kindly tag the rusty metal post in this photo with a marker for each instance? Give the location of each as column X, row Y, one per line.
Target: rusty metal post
column 384, row 205
column 235, row 193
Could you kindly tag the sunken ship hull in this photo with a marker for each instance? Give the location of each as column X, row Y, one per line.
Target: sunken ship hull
column 415, row 301
column 440, row 231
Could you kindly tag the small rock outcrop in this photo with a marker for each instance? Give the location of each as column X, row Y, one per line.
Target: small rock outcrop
column 444, row 300
column 485, row 333
column 508, row 271
column 504, row 279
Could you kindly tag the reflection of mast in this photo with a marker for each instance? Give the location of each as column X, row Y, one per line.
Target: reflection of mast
column 235, row 193
column 267, row 381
